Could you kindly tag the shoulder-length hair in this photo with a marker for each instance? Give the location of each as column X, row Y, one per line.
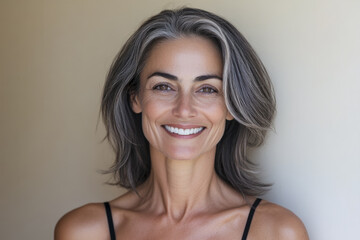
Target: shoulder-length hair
column 247, row 88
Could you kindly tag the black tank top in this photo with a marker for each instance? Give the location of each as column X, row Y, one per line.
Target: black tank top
column 246, row 230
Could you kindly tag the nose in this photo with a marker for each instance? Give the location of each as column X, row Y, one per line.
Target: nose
column 184, row 106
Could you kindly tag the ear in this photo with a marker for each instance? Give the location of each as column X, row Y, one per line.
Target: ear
column 229, row 116
column 135, row 103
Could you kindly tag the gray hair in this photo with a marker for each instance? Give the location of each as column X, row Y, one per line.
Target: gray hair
column 248, row 95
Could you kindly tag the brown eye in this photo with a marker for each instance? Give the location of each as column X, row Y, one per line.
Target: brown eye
column 208, row 90
column 162, row 87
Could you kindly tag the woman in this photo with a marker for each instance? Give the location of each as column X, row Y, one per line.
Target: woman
column 183, row 100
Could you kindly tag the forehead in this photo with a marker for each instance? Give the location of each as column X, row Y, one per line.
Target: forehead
column 185, row 55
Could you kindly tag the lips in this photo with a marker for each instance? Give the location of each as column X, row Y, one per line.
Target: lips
column 183, row 131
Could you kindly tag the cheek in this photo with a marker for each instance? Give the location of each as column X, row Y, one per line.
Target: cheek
column 216, row 114
column 153, row 111
column 214, row 108
column 153, row 106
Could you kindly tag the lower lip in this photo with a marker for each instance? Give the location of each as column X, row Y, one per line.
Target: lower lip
column 183, row 136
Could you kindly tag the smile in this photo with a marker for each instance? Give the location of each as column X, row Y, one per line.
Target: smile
column 183, row 132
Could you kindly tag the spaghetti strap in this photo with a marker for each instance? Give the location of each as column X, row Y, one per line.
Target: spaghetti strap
column 110, row 221
column 250, row 217
column 246, row 230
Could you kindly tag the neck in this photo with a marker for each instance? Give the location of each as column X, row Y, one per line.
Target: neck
column 177, row 187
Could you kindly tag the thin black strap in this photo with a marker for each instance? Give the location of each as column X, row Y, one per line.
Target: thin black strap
column 250, row 217
column 110, row 221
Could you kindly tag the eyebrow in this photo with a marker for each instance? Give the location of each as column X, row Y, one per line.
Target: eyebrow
column 174, row 78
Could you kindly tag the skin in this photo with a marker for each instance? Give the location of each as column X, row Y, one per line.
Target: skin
column 183, row 198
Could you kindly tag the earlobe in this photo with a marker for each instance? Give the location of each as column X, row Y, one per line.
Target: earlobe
column 229, row 117
column 135, row 103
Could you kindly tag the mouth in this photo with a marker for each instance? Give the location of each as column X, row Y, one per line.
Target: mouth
column 183, row 131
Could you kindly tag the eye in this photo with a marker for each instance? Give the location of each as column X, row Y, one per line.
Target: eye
column 208, row 90
column 162, row 87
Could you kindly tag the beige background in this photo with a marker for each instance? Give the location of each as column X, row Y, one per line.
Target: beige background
column 54, row 58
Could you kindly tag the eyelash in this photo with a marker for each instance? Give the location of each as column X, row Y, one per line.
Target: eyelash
column 204, row 89
column 210, row 90
column 161, row 86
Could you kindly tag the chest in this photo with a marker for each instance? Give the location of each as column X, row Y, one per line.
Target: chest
column 221, row 228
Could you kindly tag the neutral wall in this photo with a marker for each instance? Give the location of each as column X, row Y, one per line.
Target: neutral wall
column 54, row 58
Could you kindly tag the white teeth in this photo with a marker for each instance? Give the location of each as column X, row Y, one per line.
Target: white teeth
column 183, row 132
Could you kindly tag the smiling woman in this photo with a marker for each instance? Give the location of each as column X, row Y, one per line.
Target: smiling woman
column 183, row 100
column 181, row 93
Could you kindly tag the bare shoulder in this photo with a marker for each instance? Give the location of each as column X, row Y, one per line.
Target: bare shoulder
column 87, row 222
column 277, row 222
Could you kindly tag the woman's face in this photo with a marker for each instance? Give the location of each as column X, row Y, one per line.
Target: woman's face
column 181, row 98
